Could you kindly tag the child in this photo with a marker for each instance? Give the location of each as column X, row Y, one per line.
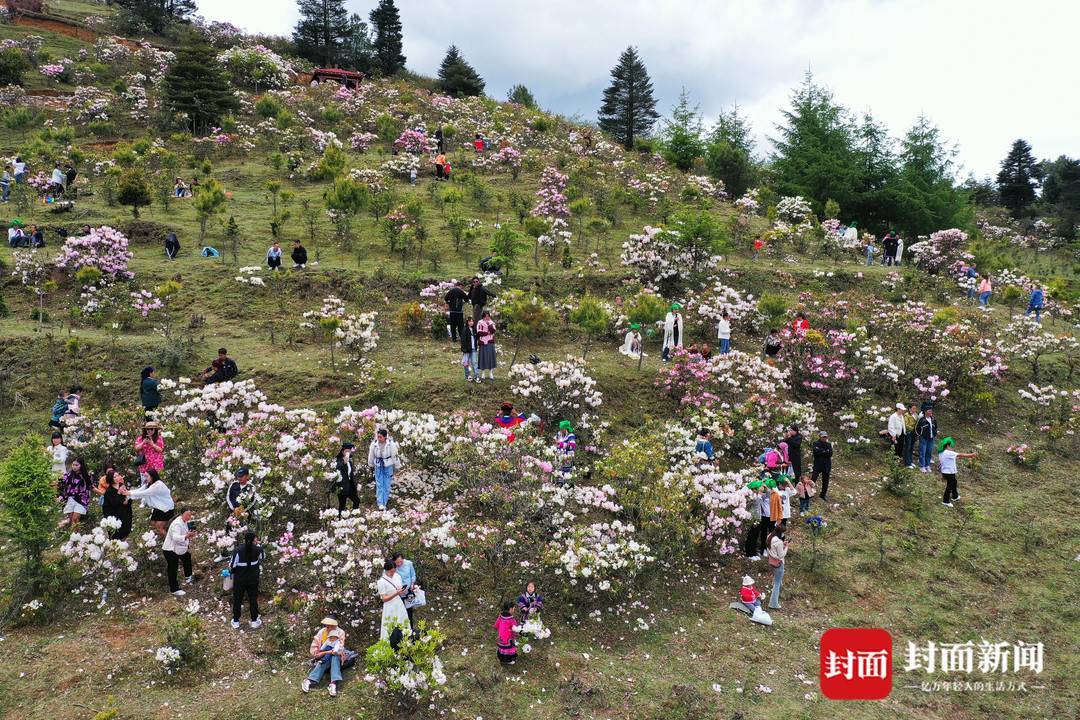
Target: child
column 59, row 453
column 805, row 490
column 750, row 595
column 529, row 602
column 504, row 628
column 758, row 244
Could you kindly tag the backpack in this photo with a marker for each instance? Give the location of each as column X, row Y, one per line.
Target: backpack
column 59, row 409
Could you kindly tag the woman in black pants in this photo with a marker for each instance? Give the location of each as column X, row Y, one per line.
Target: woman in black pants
column 244, row 566
column 346, row 484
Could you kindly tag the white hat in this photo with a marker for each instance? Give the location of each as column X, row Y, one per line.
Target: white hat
column 901, row 406
column 747, row 580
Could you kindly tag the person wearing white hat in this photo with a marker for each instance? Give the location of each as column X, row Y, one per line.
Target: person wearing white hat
column 896, row 430
column 328, row 653
column 750, row 595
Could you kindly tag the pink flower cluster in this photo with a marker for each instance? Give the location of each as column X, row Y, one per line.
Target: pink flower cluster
column 104, row 248
column 552, row 194
column 414, row 141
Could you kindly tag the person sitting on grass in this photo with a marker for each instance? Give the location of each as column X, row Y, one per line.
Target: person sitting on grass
column 299, row 255
column 750, row 595
column 328, row 653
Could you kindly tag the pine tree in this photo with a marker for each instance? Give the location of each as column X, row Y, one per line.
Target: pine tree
column 359, row 51
column 1061, row 193
column 728, row 154
column 197, row 88
column 386, row 24
column 734, row 128
column 457, row 77
column 926, row 182
column 815, row 155
column 681, row 134
column 628, row 111
column 158, row 14
column 874, row 201
column 322, row 31
column 1017, row 179
column 521, row 95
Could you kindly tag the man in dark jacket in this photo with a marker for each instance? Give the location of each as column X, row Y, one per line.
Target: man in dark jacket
column 889, row 244
column 455, row 305
column 478, row 296
column 346, row 484
column 299, row 255
column 223, row 368
column 794, row 447
column 240, row 497
column 244, row 566
column 926, row 431
column 823, row 451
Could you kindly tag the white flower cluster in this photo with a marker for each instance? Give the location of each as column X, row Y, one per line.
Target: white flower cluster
column 558, row 391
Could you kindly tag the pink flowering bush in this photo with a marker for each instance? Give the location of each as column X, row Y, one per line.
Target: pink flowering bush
column 104, row 248
column 415, row 142
column 361, row 141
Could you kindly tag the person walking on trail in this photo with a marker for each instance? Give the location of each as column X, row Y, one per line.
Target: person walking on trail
column 777, row 554
column 244, row 566
column 455, row 299
column 971, row 278
column 328, row 653
column 723, row 333
column 177, row 551
column 673, row 332
column 149, row 395
column 391, row 593
column 896, row 430
column 947, row 457
column 1035, row 303
column 346, row 485
column 822, row 450
column 478, row 297
column 383, row 459
column 926, row 430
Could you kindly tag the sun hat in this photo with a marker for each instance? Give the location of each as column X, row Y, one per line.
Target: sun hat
column 901, row 406
column 747, row 580
column 945, row 442
column 328, row 621
column 152, row 425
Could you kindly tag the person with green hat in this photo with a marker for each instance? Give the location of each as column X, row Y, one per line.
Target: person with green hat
column 673, row 331
column 16, row 236
column 750, row 544
column 566, row 447
column 764, row 524
column 632, row 344
column 947, row 456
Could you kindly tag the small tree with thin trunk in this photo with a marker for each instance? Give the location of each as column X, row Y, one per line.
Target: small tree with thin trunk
column 591, row 316
column 209, row 202
column 525, row 317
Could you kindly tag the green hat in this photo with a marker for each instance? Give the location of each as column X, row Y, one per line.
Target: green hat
column 17, row 222
column 565, row 425
column 755, row 485
column 676, row 306
column 635, row 326
column 770, row 483
column 945, row 442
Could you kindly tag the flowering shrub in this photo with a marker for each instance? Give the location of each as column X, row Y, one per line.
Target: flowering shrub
column 1024, row 455
column 655, row 258
column 940, row 250
column 557, row 391
column 362, row 141
column 256, row 66
column 749, row 203
column 415, row 142
column 932, row 387
column 411, row 671
column 88, row 104
column 104, row 248
column 712, row 302
column 793, row 209
column 99, row 558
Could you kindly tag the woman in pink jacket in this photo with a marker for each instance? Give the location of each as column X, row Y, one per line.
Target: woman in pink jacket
column 504, row 628
column 151, row 445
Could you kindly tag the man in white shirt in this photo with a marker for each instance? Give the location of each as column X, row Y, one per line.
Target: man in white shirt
column 57, row 180
column 947, row 456
column 896, row 430
column 176, row 551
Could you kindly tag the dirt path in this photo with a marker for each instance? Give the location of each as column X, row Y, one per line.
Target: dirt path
column 63, row 26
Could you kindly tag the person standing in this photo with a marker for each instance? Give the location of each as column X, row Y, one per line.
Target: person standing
column 822, row 450
column 383, row 459
column 794, row 441
column 910, row 420
column 244, row 566
column 787, row 489
column 566, row 449
column 485, row 337
column 439, row 140
column 870, row 250
column 750, row 544
column 926, row 430
column 765, row 523
column 723, row 333
column 986, row 289
column 777, row 555
column 115, row 504
column 896, row 430
column 804, row 489
column 177, row 550
column 155, row 495
column 20, row 171
column 888, row 246
column 506, row 648
column 478, row 297
column 406, row 573
column 673, row 331
column 899, row 251
column 455, row 299
column 74, row 493
column 440, row 161
column 530, row 602
column 776, row 504
column 58, row 454
column 273, row 256
column 470, row 350
column 971, row 277
column 5, row 184
column 299, row 255
column 241, row 497
column 346, row 483
column 149, row 394
column 947, row 457
column 151, row 448
column 391, row 592
column 1035, row 303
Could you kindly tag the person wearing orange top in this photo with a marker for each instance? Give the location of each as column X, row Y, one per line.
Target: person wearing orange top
column 440, row 161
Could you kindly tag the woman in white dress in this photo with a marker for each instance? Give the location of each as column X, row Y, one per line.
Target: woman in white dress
column 632, row 344
column 393, row 609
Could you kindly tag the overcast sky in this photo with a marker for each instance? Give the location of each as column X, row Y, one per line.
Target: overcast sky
column 985, row 72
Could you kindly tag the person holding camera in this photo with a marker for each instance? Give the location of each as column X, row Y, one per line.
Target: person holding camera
column 177, row 551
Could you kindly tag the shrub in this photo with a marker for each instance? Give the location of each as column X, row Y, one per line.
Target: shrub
column 13, row 64
column 20, row 118
column 26, row 509
column 187, row 638
column 772, row 306
column 411, row 318
column 410, row 672
column 268, row 107
column 945, row 316
column 542, row 125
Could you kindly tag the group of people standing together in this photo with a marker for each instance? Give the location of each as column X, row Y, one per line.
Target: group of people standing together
column 475, row 331
column 911, row 427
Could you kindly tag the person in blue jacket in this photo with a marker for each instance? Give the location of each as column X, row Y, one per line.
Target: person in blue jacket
column 1035, row 303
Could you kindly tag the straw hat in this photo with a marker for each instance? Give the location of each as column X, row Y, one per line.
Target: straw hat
column 331, row 622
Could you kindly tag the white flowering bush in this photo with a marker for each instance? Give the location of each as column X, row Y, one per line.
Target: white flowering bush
column 412, row 671
column 99, row 558
column 793, row 210
column 560, row 390
column 256, row 67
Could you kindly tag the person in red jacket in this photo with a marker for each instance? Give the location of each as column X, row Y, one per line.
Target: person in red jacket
column 801, row 324
column 478, row 143
column 750, row 595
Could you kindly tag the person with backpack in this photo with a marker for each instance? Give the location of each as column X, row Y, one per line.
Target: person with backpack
column 926, row 430
column 244, row 569
column 149, row 395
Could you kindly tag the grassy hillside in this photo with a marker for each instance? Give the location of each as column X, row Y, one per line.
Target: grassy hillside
column 999, row 567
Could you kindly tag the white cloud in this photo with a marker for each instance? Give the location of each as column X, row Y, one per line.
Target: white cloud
column 985, row 72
